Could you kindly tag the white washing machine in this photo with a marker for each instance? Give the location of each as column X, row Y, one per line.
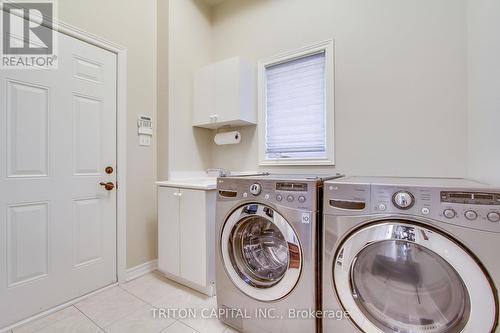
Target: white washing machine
column 267, row 251
column 410, row 255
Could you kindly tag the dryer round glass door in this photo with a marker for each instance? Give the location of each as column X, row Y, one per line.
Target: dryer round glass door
column 261, row 252
column 408, row 288
column 399, row 277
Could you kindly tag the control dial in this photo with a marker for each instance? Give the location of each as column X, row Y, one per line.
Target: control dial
column 449, row 213
column 494, row 217
column 255, row 189
column 403, row 200
column 470, row 215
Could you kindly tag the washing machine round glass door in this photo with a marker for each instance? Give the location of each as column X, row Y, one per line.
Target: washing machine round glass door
column 396, row 276
column 261, row 252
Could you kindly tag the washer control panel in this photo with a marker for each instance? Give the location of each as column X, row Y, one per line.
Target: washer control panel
column 293, row 194
column 473, row 208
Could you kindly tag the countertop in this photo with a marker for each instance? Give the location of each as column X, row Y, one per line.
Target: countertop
column 205, row 184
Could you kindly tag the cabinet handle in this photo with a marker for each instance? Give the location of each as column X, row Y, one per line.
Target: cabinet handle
column 179, row 194
column 176, row 194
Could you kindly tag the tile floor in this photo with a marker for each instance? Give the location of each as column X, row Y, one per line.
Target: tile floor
column 129, row 308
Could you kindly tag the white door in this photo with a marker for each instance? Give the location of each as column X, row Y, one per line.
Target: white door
column 57, row 224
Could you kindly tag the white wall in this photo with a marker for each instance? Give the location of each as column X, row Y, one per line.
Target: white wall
column 484, row 90
column 133, row 25
column 401, row 77
column 162, row 11
column 189, row 48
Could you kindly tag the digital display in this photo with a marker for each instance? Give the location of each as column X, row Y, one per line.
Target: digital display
column 461, row 195
column 484, row 197
column 471, row 198
column 298, row 187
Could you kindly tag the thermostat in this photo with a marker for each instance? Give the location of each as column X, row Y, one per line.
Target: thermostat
column 144, row 130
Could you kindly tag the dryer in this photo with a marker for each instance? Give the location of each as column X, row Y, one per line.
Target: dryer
column 410, row 255
column 267, row 252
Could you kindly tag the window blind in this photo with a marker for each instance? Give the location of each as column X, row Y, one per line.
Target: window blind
column 295, row 108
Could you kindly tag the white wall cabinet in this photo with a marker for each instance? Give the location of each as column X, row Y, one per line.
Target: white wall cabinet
column 186, row 237
column 225, row 94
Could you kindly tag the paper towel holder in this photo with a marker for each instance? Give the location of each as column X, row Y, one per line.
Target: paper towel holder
column 227, row 128
column 227, row 136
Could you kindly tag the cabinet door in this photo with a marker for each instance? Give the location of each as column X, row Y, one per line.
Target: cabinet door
column 227, row 90
column 248, row 92
column 193, row 236
column 204, row 96
column 168, row 230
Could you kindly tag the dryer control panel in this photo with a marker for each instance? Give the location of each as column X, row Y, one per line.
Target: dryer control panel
column 477, row 208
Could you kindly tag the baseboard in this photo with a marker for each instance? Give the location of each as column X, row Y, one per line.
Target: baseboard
column 142, row 269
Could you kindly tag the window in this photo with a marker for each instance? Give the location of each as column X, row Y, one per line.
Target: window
column 296, row 107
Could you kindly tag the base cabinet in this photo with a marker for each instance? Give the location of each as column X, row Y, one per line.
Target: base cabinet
column 186, row 237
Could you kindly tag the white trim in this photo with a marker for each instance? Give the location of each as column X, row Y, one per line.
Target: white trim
column 328, row 47
column 142, row 269
column 54, row 309
column 121, row 151
column 121, row 127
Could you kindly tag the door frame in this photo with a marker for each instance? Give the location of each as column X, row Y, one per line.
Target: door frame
column 121, row 133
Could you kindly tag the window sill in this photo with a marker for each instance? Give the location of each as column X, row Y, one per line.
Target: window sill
column 296, row 162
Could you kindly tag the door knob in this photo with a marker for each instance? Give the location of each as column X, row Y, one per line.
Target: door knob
column 108, row 186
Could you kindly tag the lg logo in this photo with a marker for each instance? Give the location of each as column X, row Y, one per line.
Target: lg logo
column 27, row 28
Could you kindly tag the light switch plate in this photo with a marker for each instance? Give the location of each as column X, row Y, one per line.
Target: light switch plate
column 145, row 140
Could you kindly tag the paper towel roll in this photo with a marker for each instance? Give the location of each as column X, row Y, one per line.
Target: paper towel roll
column 228, row 138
